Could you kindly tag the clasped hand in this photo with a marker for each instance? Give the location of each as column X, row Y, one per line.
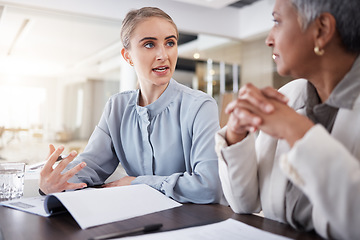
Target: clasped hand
column 267, row 110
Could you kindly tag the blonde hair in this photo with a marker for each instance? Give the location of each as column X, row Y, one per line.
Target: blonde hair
column 134, row 17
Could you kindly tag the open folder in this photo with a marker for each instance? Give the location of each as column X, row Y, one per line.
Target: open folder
column 95, row 206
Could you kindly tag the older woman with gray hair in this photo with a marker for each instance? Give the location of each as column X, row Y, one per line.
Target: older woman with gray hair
column 303, row 168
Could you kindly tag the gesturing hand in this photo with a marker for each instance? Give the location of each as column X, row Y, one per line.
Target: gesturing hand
column 52, row 180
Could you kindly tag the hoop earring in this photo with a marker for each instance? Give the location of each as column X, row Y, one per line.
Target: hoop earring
column 319, row 51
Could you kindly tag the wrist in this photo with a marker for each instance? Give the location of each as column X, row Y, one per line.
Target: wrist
column 296, row 133
column 232, row 137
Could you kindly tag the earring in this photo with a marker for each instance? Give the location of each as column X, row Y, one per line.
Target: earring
column 131, row 63
column 319, row 51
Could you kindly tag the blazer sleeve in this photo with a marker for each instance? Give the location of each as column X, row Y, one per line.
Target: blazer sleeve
column 325, row 170
column 238, row 173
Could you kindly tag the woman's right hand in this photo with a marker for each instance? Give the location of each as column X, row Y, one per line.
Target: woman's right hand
column 243, row 117
column 52, row 180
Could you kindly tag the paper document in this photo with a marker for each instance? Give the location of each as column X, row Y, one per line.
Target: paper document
column 226, row 230
column 92, row 207
column 33, row 205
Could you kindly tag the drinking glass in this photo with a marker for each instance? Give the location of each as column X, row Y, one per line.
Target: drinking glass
column 11, row 180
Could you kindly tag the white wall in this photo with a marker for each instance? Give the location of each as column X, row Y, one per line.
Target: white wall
column 228, row 22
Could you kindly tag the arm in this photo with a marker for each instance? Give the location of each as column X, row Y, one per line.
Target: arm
column 200, row 182
column 98, row 155
column 329, row 175
column 238, row 173
column 90, row 168
column 235, row 146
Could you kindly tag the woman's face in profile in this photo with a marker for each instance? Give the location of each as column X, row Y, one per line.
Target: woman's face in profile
column 292, row 46
column 154, row 51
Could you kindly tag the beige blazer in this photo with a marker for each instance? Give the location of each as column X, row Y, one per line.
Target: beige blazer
column 254, row 172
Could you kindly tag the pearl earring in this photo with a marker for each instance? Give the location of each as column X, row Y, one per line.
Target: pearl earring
column 319, row 51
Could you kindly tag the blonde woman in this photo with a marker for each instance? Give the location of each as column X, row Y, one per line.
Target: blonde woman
column 162, row 133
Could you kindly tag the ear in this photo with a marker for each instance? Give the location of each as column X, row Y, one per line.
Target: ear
column 325, row 26
column 126, row 55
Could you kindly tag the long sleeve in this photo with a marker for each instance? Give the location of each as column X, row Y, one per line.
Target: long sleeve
column 238, row 173
column 330, row 176
column 200, row 182
column 168, row 144
column 98, row 154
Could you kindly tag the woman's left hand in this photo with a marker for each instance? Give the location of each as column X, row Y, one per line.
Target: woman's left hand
column 284, row 122
column 124, row 181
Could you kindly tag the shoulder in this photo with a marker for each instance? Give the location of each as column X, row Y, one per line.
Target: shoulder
column 123, row 96
column 121, row 100
column 296, row 92
column 192, row 95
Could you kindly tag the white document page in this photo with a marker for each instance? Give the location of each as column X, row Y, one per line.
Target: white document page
column 225, row 230
column 95, row 206
column 33, row 205
column 104, row 205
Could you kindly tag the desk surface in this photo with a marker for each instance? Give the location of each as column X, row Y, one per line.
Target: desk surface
column 19, row 225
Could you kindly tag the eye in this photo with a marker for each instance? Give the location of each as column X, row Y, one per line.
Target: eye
column 276, row 22
column 171, row 43
column 149, row 45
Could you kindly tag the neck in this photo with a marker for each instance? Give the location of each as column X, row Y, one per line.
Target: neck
column 330, row 72
column 149, row 94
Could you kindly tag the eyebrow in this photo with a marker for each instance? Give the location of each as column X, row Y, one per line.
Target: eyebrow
column 153, row 38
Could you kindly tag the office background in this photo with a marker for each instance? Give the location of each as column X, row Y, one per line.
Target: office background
column 60, row 61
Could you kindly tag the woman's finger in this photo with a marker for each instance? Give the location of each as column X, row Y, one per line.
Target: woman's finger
column 241, row 121
column 255, row 97
column 51, row 150
column 62, row 165
column 231, row 106
column 71, row 172
column 53, row 156
column 274, row 94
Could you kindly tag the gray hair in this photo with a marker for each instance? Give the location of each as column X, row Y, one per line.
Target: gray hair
column 345, row 12
column 134, row 17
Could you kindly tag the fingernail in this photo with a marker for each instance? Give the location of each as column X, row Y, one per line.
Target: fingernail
column 73, row 153
column 83, row 164
column 256, row 121
column 61, row 147
column 269, row 108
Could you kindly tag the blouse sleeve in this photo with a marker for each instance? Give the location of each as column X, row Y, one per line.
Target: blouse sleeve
column 98, row 155
column 201, row 184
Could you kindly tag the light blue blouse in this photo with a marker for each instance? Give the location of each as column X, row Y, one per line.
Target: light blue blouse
column 168, row 144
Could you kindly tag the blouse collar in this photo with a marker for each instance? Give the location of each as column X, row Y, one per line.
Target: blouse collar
column 155, row 108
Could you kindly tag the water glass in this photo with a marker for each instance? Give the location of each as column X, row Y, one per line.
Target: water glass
column 11, row 180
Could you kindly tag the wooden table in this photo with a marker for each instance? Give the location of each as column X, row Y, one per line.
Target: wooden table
column 19, row 225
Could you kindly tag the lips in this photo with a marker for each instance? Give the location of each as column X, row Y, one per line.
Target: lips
column 275, row 56
column 160, row 69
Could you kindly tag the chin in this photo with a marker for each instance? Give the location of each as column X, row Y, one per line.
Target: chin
column 282, row 72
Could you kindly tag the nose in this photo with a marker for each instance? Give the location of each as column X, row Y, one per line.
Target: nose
column 269, row 41
column 161, row 54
